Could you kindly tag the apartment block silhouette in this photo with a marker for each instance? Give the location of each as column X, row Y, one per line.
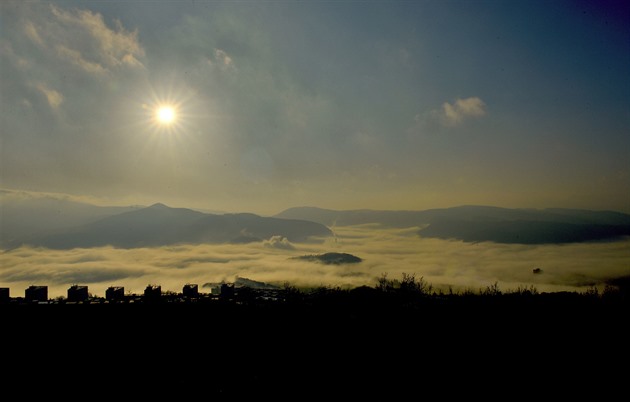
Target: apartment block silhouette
column 5, row 295
column 115, row 293
column 78, row 293
column 190, row 290
column 36, row 293
column 152, row 293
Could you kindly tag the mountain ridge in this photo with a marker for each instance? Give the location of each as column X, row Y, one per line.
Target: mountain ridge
column 63, row 224
column 477, row 223
column 328, row 216
column 159, row 225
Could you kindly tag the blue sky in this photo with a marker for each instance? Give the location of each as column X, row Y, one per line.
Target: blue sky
column 337, row 104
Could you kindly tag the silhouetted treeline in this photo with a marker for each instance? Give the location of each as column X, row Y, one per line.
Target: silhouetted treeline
column 406, row 292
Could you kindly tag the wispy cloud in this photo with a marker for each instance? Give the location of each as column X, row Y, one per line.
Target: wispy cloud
column 442, row 263
column 32, row 33
column 222, row 59
column 75, row 57
column 54, row 98
column 85, row 37
column 454, row 114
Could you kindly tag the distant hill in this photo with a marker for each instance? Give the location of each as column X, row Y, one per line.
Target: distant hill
column 241, row 282
column 160, row 225
column 484, row 223
column 331, row 258
column 22, row 216
column 62, row 223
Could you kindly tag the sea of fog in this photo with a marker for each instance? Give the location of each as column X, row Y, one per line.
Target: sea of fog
column 444, row 264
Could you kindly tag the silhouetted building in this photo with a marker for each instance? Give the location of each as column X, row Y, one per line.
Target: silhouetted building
column 78, row 293
column 227, row 291
column 152, row 292
column 115, row 293
column 5, row 295
column 190, row 290
column 36, row 293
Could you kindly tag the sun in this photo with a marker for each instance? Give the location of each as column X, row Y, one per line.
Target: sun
column 165, row 115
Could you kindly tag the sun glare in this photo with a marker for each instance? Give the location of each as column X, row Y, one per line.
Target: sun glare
column 165, row 114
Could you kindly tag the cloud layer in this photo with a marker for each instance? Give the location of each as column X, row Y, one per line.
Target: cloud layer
column 461, row 266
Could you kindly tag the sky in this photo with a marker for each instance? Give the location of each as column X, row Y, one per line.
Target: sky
column 336, row 104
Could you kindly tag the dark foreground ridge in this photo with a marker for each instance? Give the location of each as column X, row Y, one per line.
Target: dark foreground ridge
column 383, row 341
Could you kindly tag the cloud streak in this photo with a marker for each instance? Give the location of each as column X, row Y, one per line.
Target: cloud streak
column 444, row 264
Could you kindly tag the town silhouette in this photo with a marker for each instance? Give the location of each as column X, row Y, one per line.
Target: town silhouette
column 286, row 342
